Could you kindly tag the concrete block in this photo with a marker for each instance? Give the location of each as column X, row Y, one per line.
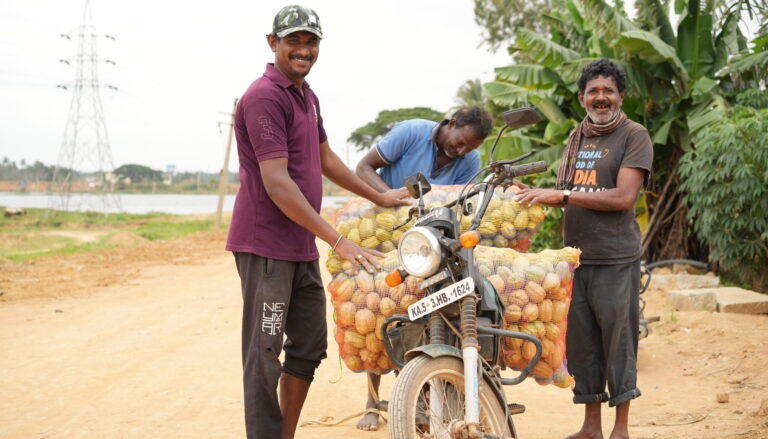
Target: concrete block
column 668, row 282
column 693, row 300
column 739, row 300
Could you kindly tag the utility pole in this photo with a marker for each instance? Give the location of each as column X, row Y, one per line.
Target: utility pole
column 85, row 146
column 224, row 175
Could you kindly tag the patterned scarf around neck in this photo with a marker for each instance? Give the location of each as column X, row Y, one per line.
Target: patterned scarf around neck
column 585, row 128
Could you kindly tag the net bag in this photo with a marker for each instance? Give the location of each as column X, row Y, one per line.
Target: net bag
column 361, row 303
column 505, row 223
column 535, row 289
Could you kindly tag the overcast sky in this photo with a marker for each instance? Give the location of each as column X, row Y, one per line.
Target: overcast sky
column 180, row 64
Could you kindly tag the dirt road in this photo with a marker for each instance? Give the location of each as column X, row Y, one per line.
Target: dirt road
column 143, row 342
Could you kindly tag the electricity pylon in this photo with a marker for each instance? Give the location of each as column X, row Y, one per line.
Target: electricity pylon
column 85, row 147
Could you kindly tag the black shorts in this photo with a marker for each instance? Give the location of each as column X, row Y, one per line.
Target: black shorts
column 603, row 325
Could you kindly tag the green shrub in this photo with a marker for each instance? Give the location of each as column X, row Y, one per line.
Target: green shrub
column 726, row 187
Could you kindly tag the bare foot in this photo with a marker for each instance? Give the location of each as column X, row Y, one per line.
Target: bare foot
column 586, row 434
column 369, row 422
column 624, row 434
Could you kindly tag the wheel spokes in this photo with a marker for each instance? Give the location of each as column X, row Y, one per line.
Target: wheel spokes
column 440, row 403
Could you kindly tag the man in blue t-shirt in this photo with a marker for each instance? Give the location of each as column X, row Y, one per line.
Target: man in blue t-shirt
column 444, row 152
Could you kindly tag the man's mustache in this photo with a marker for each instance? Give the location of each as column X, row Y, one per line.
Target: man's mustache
column 605, row 103
column 299, row 57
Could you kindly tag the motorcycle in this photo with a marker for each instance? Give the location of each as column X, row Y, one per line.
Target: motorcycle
column 449, row 346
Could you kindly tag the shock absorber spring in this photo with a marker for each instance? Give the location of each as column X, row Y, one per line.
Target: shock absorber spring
column 436, row 329
column 469, row 322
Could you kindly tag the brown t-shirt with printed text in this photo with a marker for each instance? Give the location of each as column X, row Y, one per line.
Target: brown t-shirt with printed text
column 607, row 238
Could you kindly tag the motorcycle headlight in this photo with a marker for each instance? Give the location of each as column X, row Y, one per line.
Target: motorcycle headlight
column 419, row 252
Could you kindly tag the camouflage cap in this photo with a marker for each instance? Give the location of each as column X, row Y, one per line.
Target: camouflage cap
column 296, row 18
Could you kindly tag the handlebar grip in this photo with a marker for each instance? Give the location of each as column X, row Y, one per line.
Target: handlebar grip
column 526, row 169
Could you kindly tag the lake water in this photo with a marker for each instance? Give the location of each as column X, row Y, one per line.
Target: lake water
column 140, row 203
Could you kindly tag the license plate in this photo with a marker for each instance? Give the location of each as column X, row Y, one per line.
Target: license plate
column 441, row 298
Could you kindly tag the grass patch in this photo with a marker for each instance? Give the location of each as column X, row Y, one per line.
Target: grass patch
column 17, row 243
column 163, row 230
column 44, row 233
column 68, row 249
column 41, row 218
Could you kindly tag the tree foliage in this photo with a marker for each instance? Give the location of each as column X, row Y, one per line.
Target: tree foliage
column 500, row 18
column 139, row 173
column 680, row 79
column 369, row 134
column 24, row 172
column 726, row 184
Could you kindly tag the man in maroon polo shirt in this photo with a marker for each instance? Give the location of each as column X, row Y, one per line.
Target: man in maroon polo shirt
column 284, row 152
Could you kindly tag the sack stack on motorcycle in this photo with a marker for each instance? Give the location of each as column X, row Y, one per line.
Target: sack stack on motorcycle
column 536, row 291
column 505, row 224
column 362, row 301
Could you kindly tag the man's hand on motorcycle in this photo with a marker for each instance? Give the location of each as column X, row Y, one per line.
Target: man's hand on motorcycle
column 359, row 256
column 520, row 184
column 547, row 197
column 395, row 197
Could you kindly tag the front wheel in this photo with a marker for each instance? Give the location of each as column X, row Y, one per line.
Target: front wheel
column 428, row 396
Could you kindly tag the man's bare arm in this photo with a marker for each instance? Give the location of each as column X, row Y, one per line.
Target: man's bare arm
column 284, row 192
column 366, row 170
column 337, row 172
column 622, row 197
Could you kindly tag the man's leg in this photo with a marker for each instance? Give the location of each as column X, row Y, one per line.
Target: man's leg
column 293, row 392
column 305, row 345
column 266, row 292
column 585, row 355
column 370, row 421
column 592, row 428
column 621, row 427
column 619, row 317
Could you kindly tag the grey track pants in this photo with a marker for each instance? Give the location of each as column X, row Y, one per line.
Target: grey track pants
column 279, row 298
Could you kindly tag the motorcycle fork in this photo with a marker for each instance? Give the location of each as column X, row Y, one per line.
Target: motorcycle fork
column 470, row 348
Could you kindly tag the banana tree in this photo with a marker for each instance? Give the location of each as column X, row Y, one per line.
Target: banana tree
column 678, row 80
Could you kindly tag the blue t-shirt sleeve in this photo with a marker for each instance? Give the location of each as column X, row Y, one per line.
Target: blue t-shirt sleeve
column 470, row 164
column 396, row 142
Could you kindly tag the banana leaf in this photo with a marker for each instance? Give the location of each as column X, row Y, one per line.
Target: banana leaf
column 544, row 50
column 529, row 76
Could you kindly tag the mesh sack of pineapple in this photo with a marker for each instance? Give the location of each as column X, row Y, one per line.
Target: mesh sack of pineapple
column 536, row 291
column 505, row 223
column 361, row 302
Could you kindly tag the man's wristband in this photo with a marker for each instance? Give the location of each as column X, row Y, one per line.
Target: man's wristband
column 337, row 242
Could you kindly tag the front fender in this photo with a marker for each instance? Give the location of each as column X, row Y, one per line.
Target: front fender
column 434, row 351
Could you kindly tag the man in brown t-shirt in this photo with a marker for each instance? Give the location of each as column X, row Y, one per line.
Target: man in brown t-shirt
column 604, row 165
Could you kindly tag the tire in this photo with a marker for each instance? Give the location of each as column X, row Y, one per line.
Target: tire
column 410, row 400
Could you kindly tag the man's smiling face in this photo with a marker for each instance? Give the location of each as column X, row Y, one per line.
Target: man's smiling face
column 457, row 141
column 601, row 99
column 295, row 54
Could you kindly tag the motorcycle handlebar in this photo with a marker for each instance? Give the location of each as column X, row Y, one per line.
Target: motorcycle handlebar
column 512, row 171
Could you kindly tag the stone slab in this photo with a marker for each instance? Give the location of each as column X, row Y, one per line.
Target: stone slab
column 693, row 299
column 739, row 300
column 670, row 282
